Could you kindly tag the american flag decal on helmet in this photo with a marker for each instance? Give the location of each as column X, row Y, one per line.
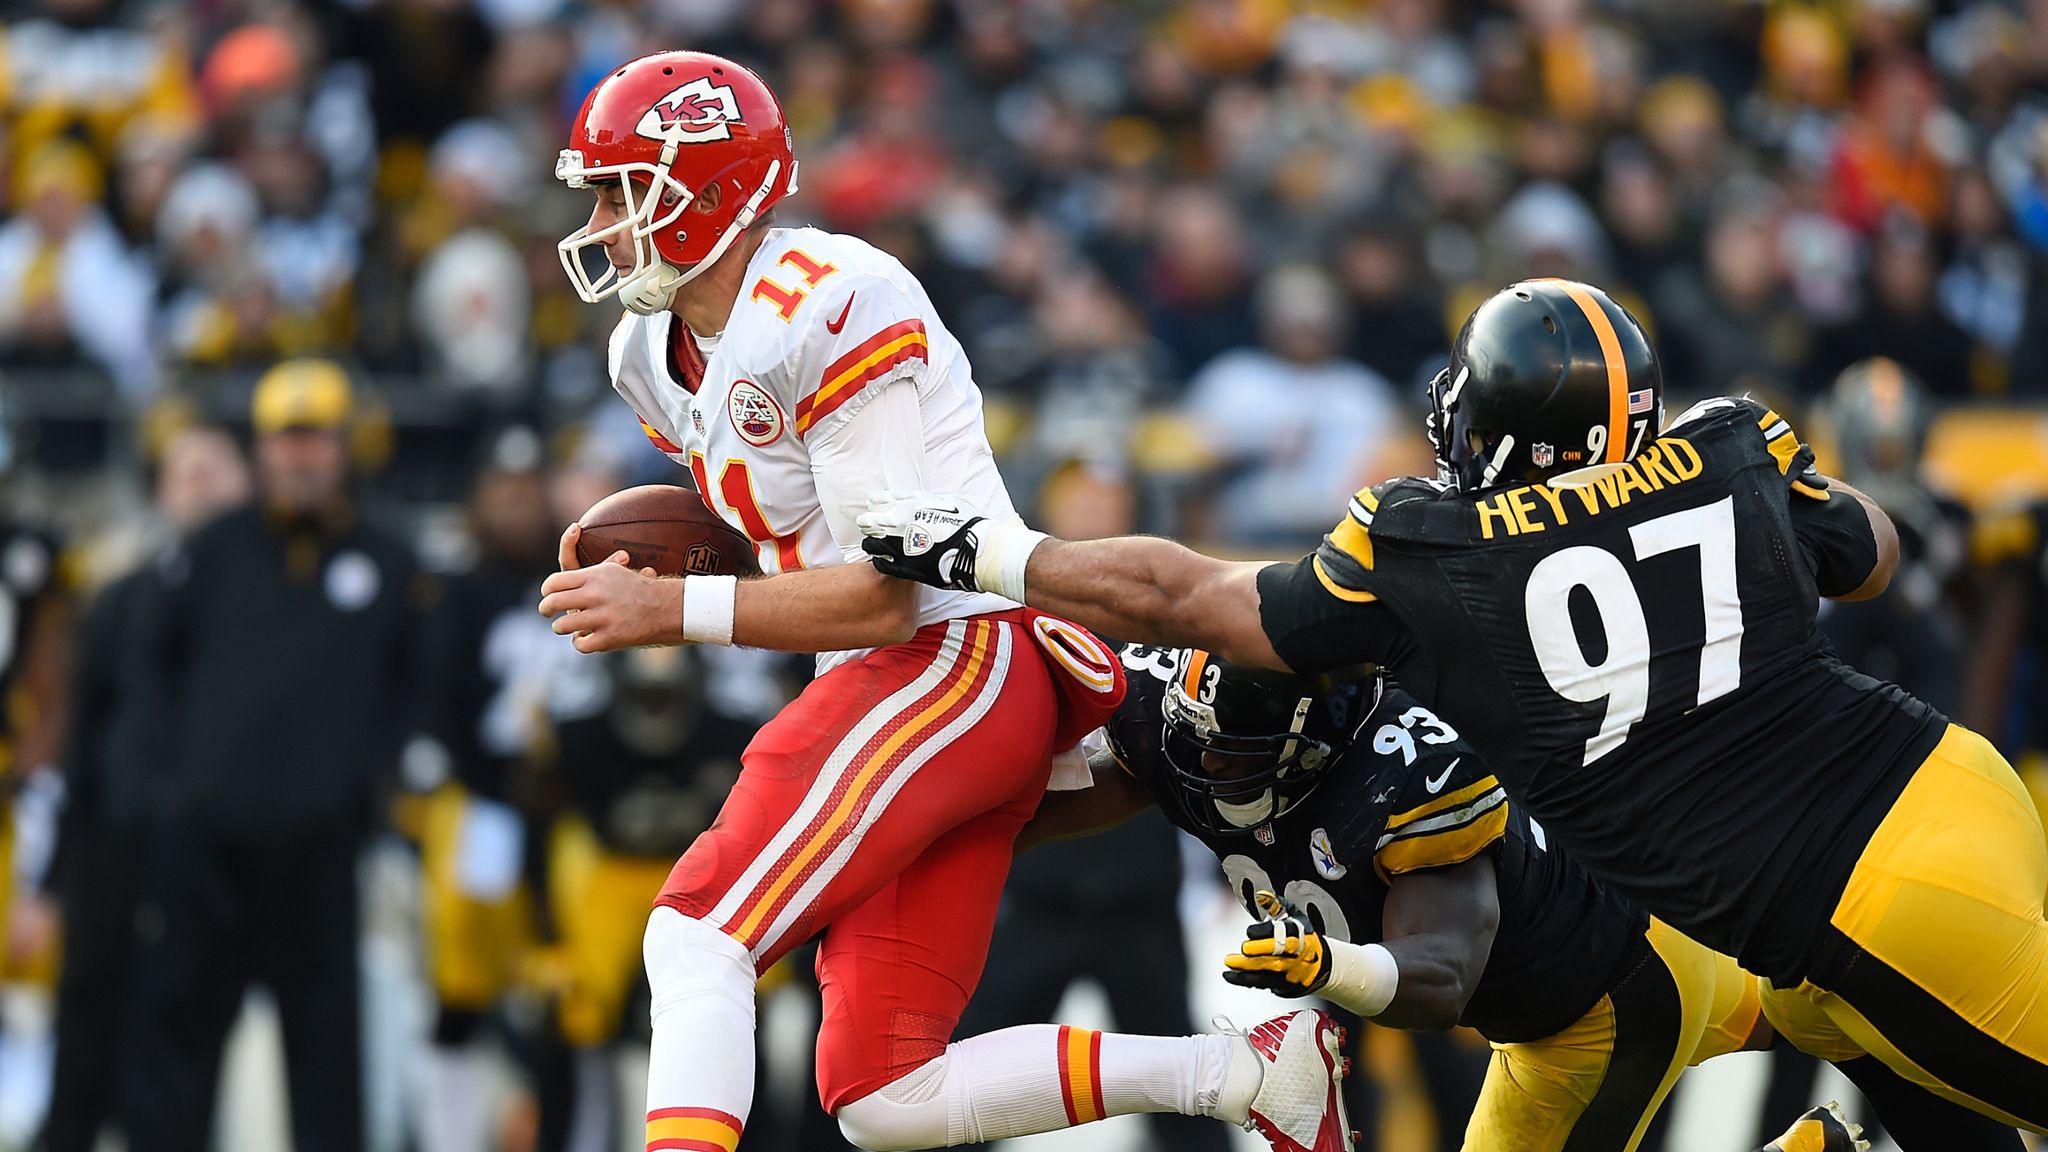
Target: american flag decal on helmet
column 1641, row 400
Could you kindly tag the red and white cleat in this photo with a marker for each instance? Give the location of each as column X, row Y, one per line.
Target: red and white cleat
column 1299, row 1107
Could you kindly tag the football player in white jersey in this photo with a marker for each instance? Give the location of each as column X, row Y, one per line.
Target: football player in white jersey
column 793, row 371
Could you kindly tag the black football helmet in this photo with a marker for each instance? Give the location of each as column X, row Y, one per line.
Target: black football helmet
column 1547, row 376
column 1246, row 745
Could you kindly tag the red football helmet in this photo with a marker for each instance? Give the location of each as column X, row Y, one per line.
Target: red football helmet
column 666, row 127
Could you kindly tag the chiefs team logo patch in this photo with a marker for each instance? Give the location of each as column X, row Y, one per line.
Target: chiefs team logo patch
column 696, row 113
column 754, row 413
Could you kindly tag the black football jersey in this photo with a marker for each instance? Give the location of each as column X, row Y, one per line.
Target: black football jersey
column 28, row 568
column 1635, row 654
column 490, row 658
column 648, row 764
column 1409, row 795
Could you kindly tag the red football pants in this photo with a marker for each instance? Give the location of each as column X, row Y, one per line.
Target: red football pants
column 882, row 806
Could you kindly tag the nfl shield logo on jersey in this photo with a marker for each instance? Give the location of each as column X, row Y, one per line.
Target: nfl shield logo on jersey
column 1263, row 834
column 1325, row 855
column 1542, row 455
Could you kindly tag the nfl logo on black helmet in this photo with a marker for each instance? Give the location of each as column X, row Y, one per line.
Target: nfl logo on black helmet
column 1542, row 455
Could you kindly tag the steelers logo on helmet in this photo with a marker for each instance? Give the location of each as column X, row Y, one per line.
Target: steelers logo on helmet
column 755, row 415
column 1545, row 374
column 1246, row 746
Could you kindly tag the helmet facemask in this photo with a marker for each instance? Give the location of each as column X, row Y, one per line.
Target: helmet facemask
column 655, row 203
column 1270, row 773
column 1461, row 452
column 655, row 200
column 1443, row 444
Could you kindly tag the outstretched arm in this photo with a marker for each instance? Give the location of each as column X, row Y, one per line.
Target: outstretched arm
column 1295, row 616
column 1153, row 591
column 1138, row 587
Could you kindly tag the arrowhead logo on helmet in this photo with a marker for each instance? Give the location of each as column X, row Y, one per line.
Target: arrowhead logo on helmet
column 696, row 113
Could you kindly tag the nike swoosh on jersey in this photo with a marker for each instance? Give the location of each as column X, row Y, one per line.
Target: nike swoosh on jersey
column 834, row 326
column 1435, row 783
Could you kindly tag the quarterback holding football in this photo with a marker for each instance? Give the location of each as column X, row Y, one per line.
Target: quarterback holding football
column 793, row 371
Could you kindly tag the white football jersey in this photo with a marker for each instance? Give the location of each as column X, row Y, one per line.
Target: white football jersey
column 763, row 414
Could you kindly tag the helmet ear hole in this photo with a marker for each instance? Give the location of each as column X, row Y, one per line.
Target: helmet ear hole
column 1550, row 325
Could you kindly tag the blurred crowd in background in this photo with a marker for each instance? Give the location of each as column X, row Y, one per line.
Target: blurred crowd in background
column 1203, row 256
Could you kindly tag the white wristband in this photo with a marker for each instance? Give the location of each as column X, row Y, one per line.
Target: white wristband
column 1363, row 977
column 999, row 563
column 708, row 608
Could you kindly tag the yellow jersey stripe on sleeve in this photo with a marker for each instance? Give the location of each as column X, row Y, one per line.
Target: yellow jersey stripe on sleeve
column 1778, row 436
column 1443, row 849
column 1449, row 802
column 1812, row 493
column 1350, row 595
column 1785, row 448
column 1351, row 538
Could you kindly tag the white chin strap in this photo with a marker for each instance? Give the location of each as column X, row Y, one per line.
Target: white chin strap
column 1249, row 815
column 653, row 288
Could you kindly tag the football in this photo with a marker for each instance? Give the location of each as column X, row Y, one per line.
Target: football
column 666, row 528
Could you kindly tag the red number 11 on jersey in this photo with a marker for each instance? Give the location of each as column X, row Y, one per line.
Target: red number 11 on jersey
column 736, row 491
column 786, row 299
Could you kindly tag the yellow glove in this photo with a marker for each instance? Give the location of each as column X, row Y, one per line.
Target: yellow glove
column 1282, row 953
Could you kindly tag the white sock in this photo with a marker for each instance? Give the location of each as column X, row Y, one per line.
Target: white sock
column 1244, row 1073
column 1040, row 1078
column 700, row 1066
column 452, row 1100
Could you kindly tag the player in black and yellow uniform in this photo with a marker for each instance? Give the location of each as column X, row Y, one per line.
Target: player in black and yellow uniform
column 489, row 668
column 1622, row 622
column 1347, row 816
column 641, row 754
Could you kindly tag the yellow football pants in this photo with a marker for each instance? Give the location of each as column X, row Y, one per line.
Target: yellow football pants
column 474, row 947
column 1941, row 969
column 601, row 900
column 1594, row 1086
